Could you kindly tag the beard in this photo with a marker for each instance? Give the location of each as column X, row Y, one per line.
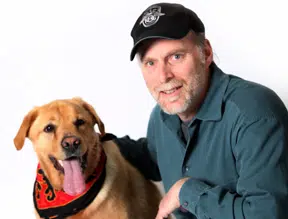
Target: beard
column 190, row 95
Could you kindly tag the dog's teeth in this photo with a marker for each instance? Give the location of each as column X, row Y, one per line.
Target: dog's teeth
column 60, row 162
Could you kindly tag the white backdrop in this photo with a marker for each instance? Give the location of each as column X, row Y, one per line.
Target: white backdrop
column 60, row 49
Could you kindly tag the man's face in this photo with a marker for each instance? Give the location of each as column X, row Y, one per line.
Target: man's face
column 175, row 72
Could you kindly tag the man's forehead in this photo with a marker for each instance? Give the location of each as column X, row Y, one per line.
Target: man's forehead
column 164, row 47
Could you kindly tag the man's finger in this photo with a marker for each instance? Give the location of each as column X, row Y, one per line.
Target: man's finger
column 161, row 215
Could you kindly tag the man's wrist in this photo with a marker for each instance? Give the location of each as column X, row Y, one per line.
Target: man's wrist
column 190, row 193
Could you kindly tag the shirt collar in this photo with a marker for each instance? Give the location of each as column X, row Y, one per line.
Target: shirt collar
column 211, row 108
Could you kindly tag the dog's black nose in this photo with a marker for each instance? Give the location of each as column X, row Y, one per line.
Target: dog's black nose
column 71, row 143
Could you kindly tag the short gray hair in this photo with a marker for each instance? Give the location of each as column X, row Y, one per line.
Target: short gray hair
column 198, row 39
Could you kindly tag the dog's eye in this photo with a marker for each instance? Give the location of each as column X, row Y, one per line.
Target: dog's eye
column 79, row 122
column 49, row 128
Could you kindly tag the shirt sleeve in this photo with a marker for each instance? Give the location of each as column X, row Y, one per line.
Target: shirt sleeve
column 262, row 187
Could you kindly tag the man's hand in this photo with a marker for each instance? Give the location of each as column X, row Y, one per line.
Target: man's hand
column 170, row 201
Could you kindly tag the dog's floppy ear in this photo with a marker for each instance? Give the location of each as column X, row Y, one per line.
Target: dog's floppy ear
column 24, row 128
column 93, row 113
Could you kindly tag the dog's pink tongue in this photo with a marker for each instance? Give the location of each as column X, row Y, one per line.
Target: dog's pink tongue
column 74, row 182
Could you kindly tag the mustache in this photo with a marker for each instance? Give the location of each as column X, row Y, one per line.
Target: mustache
column 169, row 85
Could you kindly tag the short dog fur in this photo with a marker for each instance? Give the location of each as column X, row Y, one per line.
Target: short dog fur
column 125, row 193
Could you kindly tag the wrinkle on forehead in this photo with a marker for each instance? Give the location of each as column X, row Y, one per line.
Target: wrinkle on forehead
column 154, row 49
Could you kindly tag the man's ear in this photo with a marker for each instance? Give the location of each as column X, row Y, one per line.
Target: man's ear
column 91, row 110
column 24, row 128
column 208, row 53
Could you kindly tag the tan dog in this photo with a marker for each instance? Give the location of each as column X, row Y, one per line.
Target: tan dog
column 74, row 170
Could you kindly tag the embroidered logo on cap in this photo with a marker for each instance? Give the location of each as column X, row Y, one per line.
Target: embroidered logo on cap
column 151, row 16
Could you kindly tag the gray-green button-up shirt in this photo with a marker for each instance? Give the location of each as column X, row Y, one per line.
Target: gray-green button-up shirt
column 236, row 153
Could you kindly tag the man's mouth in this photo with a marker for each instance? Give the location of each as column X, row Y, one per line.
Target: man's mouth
column 59, row 164
column 171, row 91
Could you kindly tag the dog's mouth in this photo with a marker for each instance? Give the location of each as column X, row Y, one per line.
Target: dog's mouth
column 59, row 164
column 73, row 170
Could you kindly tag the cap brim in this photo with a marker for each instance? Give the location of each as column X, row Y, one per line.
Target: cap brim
column 135, row 47
column 179, row 35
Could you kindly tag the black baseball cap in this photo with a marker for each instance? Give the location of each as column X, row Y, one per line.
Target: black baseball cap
column 165, row 21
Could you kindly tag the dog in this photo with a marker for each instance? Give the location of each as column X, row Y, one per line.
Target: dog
column 80, row 174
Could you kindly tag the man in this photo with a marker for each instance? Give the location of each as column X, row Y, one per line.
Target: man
column 217, row 142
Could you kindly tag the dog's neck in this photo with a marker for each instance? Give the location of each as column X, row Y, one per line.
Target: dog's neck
column 93, row 159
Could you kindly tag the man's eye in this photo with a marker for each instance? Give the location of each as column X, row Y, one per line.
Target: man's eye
column 49, row 128
column 150, row 63
column 177, row 56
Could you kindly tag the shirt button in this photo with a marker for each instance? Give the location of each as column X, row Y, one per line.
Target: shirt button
column 186, row 168
column 185, row 204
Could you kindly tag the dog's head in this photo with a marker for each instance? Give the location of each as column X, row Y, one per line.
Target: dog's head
column 63, row 136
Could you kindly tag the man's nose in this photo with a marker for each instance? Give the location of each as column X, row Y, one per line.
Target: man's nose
column 165, row 73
